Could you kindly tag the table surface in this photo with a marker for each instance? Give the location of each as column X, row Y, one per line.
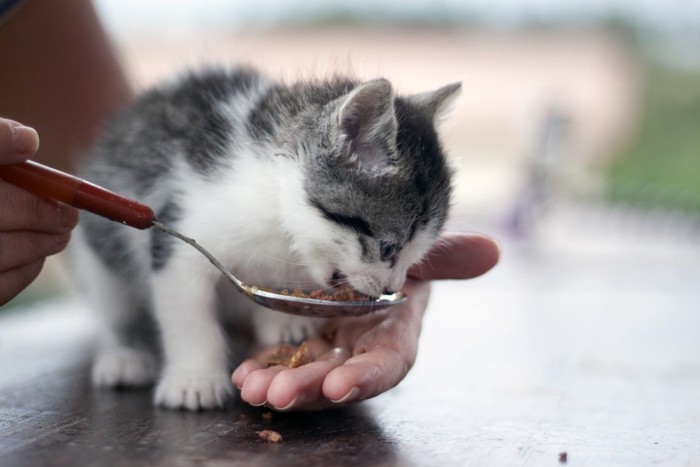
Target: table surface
column 592, row 350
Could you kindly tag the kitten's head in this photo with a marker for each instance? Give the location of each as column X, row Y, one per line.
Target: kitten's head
column 377, row 186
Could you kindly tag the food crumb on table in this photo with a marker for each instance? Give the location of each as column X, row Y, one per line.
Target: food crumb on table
column 270, row 435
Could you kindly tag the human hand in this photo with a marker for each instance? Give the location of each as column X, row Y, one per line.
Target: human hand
column 367, row 355
column 31, row 228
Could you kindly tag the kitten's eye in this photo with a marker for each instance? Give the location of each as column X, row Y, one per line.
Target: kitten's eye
column 387, row 250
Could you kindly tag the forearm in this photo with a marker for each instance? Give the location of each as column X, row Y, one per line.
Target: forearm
column 60, row 75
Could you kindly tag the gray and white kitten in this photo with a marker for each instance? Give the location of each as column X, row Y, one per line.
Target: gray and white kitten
column 290, row 186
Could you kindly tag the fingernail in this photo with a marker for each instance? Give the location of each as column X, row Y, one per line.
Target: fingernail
column 352, row 394
column 26, row 139
column 290, row 405
column 260, row 404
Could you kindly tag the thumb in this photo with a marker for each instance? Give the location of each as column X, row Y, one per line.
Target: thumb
column 457, row 256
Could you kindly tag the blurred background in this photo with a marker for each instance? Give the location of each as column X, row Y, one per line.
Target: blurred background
column 578, row 125
column 577, row 146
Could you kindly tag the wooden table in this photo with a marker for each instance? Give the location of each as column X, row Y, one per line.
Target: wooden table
column 592, row 354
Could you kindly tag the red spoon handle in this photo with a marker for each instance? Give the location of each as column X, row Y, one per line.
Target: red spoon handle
column 76, row 192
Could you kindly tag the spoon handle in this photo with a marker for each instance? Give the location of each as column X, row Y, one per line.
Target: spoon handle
column 51, row 183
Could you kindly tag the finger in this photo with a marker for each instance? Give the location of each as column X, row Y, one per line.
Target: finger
column 301, row 388
column 20, row 210
column 256, row 384
column 383, row 356
column 366, row 375
column 18, row 249
column 17, row 142
column 14, row 281
column 244, row 369
column 383, row 353
column 457, row 256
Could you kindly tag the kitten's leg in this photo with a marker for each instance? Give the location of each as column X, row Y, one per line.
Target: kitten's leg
column 118, row 365
column 196, row 374
column 123, row 356
column 274, row 327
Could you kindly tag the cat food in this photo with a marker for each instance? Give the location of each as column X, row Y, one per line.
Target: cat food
column 343, row 295
column 270, row 435
column 290, row 356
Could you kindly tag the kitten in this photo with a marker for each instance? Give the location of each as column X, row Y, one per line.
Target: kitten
column 290, row 186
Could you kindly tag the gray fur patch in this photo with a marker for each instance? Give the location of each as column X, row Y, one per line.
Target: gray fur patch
column 109, row 241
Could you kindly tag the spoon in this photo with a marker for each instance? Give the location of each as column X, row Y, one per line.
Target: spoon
column 51, row 183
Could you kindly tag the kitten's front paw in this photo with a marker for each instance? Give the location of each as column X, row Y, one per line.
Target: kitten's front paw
column 123, row 366
column 186, row 390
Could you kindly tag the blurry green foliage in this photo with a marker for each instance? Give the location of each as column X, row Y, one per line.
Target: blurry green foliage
column 661, row 168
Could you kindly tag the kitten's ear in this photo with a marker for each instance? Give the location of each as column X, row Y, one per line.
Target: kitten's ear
column 367, row 123
column 438, row 103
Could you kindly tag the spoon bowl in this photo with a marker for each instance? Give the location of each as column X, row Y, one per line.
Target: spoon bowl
column 322, row 308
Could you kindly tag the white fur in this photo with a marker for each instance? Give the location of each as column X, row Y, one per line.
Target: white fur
column 115, row 364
